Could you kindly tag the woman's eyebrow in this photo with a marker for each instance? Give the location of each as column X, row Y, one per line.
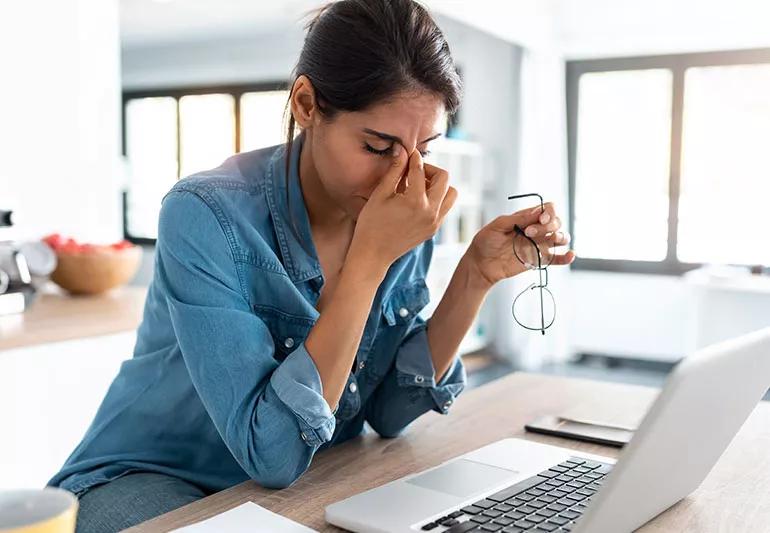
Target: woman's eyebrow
column 388, row 137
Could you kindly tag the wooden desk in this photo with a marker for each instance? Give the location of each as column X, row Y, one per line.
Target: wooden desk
column 733, row 497
column 57, row 316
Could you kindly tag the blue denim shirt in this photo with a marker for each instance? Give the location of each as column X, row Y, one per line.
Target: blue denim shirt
column 220, row 388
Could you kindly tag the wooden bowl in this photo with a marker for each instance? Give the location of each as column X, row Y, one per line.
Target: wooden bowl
column 97, row 270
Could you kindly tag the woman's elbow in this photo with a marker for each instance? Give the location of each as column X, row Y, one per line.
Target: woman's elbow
column 277, row 480
column 386, row 430
column 277, row 473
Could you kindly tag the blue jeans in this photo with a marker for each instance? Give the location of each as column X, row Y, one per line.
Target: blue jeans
column 131, row 499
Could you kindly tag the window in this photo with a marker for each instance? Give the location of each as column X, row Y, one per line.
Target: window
column 725, row 165
column 206, row 131
column 151, row 139
column 660, row 149
column 170, row 134
column 262, row 119
column 617, row 163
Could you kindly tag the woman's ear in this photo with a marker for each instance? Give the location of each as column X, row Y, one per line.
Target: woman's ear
column 303, row 102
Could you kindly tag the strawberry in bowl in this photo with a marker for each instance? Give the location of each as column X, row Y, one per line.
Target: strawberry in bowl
column 88, row 268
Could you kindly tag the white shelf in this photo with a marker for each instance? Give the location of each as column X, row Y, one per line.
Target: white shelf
column 466, row 164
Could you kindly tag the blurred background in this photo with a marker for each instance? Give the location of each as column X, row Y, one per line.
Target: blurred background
column 646, row 122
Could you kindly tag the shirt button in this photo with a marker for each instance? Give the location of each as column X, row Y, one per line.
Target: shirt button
column 403, row 312
column 289, row 342
column 447, row 404
column 304, row 437
column 419, row 379
column 361, row 365
column 353, row 387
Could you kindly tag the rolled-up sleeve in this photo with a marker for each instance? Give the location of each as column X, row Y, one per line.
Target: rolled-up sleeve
column 272, row 416
column 410, row 389
column 297, row 383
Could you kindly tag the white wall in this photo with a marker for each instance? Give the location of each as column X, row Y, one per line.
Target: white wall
column 265, row 56
column 528, row 23
column 607, row 28
column 59, row 133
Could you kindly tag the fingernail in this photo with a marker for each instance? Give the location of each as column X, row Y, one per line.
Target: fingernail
column 530, row 231
column 396, row 150
column 544, row 218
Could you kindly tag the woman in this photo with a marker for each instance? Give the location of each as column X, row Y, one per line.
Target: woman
column 283, row 310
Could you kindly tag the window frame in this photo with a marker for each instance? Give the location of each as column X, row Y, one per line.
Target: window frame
column 234, row 90
column 678, row 65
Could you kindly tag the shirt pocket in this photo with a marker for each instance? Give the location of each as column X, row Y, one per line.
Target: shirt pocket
column 288, row 331
column 404, row 302
column 398, row 310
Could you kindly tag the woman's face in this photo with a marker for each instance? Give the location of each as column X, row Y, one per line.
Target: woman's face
column 352, row 152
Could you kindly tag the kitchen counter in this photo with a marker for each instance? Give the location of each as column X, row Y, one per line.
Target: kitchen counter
column 57, row 316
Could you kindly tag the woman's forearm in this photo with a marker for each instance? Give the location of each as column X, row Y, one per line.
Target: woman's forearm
column 334, row 339
column 455, row 314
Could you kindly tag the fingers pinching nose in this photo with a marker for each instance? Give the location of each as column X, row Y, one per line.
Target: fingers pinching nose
column 418, row 159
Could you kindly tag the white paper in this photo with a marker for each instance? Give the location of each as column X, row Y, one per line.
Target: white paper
column 247, row 518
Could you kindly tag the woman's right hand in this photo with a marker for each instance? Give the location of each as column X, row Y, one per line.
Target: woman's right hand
column 392, row 222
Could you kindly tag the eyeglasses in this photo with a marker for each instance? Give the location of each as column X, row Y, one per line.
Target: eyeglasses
column 536, row 296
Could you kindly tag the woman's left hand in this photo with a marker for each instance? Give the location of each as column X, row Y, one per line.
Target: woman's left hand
column 491, row 251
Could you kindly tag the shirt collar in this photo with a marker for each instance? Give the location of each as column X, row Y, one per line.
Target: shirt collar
column 289, row 214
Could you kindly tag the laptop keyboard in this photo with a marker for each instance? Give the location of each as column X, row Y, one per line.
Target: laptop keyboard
column 553, row 500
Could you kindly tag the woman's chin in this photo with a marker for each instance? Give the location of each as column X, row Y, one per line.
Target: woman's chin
column 355, row 207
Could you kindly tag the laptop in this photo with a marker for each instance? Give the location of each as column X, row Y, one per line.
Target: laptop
column 513, row 485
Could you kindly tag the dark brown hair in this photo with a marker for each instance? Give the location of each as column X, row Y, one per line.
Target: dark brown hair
column 358, row 53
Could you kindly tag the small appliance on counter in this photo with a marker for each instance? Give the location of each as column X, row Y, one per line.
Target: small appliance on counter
column 24, row 269
column 80, row 268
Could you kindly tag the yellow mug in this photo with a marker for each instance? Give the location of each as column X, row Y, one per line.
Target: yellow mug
column 48, row 510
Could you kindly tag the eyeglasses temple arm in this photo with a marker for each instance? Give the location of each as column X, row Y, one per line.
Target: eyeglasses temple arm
column 529, row 195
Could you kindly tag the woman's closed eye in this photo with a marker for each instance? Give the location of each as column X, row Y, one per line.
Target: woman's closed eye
column 388, row 151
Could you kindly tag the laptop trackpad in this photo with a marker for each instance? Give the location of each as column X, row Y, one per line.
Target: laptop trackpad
column 462, row 478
